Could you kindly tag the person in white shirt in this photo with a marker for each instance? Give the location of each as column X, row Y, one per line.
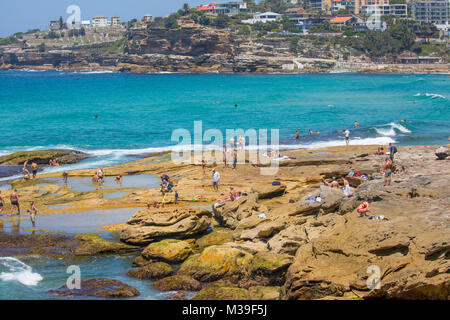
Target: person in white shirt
column 216, row 178
column 347, row 136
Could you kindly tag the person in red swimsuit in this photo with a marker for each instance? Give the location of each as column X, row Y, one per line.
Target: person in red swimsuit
column 364, row 208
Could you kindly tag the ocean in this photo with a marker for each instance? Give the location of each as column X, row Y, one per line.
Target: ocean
column 137, row 114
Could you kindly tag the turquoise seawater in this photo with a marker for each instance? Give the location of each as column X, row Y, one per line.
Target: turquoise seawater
column 137, row 113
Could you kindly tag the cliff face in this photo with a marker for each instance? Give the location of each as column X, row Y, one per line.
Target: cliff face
column 189, row 42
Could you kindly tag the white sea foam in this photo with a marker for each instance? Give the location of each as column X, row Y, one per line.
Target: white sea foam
column 432, row 95
column 13, row 269
column 389, row 129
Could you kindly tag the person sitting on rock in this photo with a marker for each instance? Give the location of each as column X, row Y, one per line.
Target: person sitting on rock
column 332, row 184
column 364, row 208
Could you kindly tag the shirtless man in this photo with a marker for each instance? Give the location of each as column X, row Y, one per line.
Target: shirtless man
column 356, row 124
column 14, row 197
column 25, row 170
column 364, row 208
column 225, row 158
column 387, row 171
column 65, row 176
column 100, row 175
column 332, row 184
column 297, row 134
column 34, row 168
column 203, row 165
column 119, row 179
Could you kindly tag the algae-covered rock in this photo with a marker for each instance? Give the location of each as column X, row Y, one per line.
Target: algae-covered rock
column 92, row 244
column 216, row 237
column 155, row 270
column 217, row 262
column 264, row 292
column 170, row 250
column 222, row 293
column 99, row 287
column 177, row 282
column 43, row 157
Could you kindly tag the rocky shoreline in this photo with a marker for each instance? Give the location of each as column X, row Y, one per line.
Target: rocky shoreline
column 274, row 243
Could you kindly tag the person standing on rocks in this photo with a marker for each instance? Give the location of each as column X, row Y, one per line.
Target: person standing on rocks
column 215, row 179
column 33, row 213
column 34, row 168
column 346, row 187
column 225, row 157
column 25, row 170
column 234, row 159
column 387, row 171
column 14, row 197
column 347, row 136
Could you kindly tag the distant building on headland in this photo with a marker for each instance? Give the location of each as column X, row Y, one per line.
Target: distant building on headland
column 115, row 20
column 55, row 25
column 229, row 8
column 396, row 10
column 432, row 11
column 263, row 17
column 99, row 21
column 147, row 18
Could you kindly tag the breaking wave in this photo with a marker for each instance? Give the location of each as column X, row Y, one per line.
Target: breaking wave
column 12, row 269
column 391, row 129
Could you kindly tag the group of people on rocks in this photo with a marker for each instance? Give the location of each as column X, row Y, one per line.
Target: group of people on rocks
column 15, row 203
column 26, row 172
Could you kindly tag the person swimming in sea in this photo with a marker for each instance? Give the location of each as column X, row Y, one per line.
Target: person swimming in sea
column 311, row 132
column 297, row 134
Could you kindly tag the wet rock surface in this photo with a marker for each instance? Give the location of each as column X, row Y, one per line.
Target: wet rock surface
column 98, row 287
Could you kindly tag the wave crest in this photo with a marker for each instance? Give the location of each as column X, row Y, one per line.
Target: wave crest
column 16, row 270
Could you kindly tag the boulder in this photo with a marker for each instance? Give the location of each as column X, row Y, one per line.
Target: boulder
column 169, row 250
column 442, row 153
column 148, row 226
column 93, row 244
column 154, row 270
column 269, row 191
column 264, row 292
column 217, row 262
column 222, row 293
column 177, row 282
column 216, row 237
column 98, row 287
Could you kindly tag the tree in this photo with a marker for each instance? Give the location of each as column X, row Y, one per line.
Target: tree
column 244, row 30
column 171, row 21
column 41, row 47
column 61, row 23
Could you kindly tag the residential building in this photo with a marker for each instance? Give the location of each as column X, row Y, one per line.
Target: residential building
column 99, row 21
column 263, row 17
column 55, row 25
column 147, row 18
column 337, row 5
column 115, row 20
column 229, row 8
column 85, row 23
column 355, row 5
column 432, row 11
column 396, row 10
column 341, row 21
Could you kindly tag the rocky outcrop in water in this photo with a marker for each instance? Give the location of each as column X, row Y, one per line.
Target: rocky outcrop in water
column 148, row 226
column 43, row 157
column 98, row 287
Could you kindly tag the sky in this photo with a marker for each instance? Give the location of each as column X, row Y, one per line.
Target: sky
column 23, row 15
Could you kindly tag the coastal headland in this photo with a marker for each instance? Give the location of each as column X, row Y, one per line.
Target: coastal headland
column 200, row 49
column 274, row 242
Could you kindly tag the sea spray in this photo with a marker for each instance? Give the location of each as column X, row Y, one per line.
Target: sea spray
column 12, row 269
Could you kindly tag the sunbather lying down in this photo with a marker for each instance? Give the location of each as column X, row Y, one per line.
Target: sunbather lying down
column 234, row 195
